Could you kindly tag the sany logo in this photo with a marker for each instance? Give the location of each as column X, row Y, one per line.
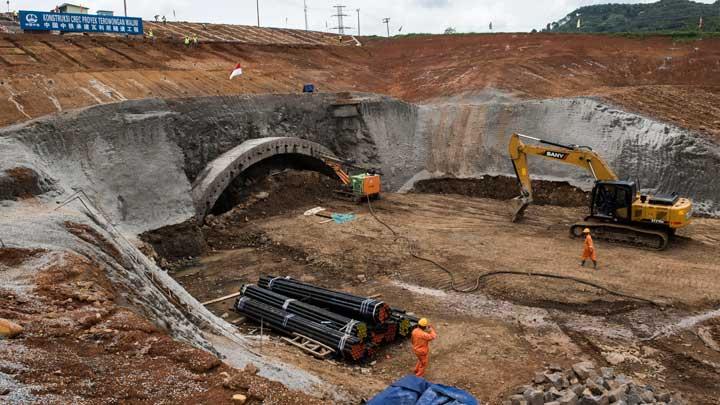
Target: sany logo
column 556, row 155
column 31, row 18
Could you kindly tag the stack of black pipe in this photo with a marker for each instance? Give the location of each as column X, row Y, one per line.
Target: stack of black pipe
column 329, row 317
column 307, row 311
column 353, row 306
column 406, row 322
column 347, row 345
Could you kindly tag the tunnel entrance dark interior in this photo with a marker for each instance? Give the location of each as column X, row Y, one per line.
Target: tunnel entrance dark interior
column 242, row 186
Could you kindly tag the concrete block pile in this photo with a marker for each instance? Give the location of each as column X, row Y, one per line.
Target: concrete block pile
column 584, row 384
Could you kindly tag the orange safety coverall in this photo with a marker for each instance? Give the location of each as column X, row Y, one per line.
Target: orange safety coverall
column 589, row 249
column 421, row 347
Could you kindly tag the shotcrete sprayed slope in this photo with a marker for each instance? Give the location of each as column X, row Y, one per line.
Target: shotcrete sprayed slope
column 137, row 159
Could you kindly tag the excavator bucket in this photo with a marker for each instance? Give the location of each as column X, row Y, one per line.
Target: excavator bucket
column 519, row 205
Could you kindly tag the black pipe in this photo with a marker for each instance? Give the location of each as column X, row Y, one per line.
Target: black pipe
column 345, row 345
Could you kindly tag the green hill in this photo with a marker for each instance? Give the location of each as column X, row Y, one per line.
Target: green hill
column 665, row 15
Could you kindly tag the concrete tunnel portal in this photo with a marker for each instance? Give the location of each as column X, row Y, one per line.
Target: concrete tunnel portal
column 258, row 156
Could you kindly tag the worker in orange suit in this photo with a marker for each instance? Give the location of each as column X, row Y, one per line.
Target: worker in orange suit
column 421, row 338
column 588, row 249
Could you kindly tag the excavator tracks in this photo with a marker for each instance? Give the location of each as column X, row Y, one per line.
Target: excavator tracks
column 643, row 238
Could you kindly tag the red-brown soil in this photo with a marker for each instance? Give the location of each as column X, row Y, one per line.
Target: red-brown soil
column 43, row 74
column 80, row 344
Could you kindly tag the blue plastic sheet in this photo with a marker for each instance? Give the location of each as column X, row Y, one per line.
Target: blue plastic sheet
column 411, row 390
column 342, row 218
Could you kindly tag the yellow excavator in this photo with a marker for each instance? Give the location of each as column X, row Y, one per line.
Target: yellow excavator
column 618, row 211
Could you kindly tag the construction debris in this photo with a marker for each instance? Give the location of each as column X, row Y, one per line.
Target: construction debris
column 343, row 218
column 221, row 299
column 584, row 385
column 313, row 211
column 324, row 319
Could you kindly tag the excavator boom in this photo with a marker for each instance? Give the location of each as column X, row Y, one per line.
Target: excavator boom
column 356, row 187
column 580, row 156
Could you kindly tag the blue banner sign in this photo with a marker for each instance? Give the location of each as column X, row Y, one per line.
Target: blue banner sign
column 70, row 22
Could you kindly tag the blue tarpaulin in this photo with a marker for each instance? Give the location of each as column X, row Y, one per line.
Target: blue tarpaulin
column 411, row 390
column 343, row 218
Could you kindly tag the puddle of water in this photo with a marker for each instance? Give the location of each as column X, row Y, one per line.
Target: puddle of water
column 686, row 323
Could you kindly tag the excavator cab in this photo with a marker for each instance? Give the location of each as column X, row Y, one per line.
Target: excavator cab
column 612, row 200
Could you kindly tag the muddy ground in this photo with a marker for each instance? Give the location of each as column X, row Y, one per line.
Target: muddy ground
column 495, row 338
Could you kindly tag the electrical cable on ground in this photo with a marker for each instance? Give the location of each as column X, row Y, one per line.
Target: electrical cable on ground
column 413, row 246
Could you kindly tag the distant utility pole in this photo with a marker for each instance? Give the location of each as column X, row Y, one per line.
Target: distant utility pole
column 8, row 4
column 305, row 7
column 124, row 6
column 257, row 4
column 358, row 12
column 386, row 21
column 341, row 27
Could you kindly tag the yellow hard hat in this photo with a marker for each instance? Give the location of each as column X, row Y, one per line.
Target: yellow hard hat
column 423, row 322
column 586, row 230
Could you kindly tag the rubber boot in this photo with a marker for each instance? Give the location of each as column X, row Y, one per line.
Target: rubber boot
column 582, row 264
column 594, row 265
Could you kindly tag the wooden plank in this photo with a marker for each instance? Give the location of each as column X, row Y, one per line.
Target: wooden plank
column 310, row 346
column 221, row 299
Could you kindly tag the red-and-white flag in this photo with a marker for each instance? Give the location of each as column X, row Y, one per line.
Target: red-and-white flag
column 237, row 71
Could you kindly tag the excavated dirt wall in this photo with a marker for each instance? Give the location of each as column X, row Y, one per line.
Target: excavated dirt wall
column 468, row 140
column 504, row 188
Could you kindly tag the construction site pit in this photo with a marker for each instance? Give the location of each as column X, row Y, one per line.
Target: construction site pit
column 119, row 220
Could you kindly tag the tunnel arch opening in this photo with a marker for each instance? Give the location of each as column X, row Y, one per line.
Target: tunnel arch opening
column 214, row 180
column 243, row 185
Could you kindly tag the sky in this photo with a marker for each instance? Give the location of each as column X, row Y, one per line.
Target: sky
column 406, row 16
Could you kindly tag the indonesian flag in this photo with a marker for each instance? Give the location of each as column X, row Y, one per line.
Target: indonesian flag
column 237, row 71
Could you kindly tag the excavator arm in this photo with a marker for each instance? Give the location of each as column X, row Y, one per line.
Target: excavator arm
column 580, row 156
column 337, row 167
